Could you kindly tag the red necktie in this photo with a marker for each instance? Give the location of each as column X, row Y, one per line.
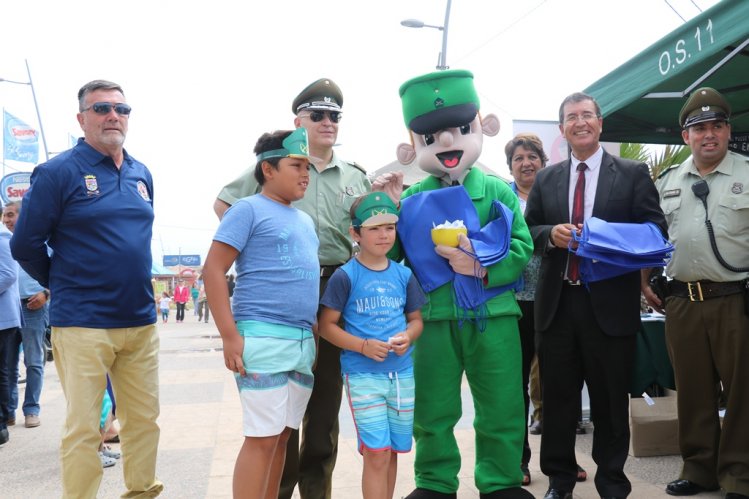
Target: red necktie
column 578, row 215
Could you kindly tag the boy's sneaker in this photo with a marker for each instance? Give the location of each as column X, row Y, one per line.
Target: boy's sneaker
column 108, row 452
column 106, row 462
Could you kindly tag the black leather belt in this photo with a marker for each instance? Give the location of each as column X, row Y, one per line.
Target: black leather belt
column 327, row 270
column 704, row 290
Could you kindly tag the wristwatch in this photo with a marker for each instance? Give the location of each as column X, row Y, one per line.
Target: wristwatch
column 46, row 293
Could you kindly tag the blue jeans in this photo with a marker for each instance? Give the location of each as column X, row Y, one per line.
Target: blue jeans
column 7, row 344
column 34, row 357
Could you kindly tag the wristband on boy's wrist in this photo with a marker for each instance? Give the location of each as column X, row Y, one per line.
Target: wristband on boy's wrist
column 363, row 344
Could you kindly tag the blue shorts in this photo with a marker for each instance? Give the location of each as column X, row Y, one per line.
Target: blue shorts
column 278, row 384
column 382, row 405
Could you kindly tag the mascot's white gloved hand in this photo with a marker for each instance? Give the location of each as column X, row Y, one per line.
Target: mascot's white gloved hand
column 391, row 184
column 461, row 262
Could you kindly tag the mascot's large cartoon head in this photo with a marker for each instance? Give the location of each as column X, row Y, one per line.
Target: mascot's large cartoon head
column 441, row 110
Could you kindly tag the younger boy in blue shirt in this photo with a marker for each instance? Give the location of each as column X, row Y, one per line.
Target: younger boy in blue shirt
column 380, row 301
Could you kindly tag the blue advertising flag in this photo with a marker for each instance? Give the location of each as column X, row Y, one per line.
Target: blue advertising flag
column 21, row 142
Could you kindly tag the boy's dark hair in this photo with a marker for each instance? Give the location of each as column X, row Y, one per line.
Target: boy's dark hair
column 93, row 86
column 268, row 142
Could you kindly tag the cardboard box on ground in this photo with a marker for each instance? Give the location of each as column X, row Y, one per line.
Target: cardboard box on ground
column 654, row 428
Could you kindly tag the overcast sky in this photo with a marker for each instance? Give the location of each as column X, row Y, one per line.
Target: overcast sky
column 206, row 79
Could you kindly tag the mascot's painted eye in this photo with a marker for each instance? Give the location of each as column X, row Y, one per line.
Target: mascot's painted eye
column 429, row 139
column 465, row 129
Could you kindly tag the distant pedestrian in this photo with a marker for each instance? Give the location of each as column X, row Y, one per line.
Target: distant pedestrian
column 10, row 323
column 230, row 284
column 164, row 302
column 267, row 337
column 194, row 293
column 34, row 307
column 93, row 205
column 377, row 341
column 203, row 310
column 181, row 297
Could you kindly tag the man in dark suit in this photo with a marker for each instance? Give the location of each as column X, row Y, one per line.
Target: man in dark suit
column 586, row 333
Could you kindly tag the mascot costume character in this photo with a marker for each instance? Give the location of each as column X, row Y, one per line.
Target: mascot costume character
column 470, row 320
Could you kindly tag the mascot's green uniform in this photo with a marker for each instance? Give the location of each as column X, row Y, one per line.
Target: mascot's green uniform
column 441, row 111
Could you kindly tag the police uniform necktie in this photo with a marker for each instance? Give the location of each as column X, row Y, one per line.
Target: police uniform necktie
column 578, row 215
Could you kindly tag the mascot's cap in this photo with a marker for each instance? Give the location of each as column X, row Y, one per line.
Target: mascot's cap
column 294, row 146
column 375, row 209
column 435, row 101
column 320, row 95
column 705, row 104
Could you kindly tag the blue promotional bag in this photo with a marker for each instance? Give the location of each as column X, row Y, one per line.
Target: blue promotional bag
column 491, row 244
column 611, row 249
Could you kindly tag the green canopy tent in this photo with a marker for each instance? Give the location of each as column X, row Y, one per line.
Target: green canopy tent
column 641, row 99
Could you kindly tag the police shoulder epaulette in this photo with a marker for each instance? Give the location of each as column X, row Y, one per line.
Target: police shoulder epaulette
column 664, row 172
column 357, row 166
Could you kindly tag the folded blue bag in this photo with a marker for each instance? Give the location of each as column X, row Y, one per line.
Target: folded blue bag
column 491, row 243
column 611, row 249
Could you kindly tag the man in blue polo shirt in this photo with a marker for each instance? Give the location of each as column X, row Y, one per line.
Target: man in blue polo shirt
column 93, row 206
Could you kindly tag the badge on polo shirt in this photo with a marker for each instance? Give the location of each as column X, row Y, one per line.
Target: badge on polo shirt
column 737, row 188
column 143, row 190
column 92, row 186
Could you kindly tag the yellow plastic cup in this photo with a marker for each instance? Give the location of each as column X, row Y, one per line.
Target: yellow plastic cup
column 448, row 237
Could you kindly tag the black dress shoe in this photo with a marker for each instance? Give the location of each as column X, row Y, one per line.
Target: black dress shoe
column 536, row 428
column 4, row 436
column 736, row 495
column 682, row 487
column 557, row 494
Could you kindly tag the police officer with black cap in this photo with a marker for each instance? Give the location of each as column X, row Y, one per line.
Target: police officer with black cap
column 707, row 307
column 333, row 187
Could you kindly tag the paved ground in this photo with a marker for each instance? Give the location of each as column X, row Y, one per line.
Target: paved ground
column 201, row 435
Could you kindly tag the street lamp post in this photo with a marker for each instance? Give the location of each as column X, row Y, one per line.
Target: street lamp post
column 36, row 106
column 415, row 23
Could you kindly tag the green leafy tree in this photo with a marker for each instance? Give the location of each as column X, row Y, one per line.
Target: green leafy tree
column 658, row 161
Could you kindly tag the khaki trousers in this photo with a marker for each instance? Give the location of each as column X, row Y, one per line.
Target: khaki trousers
column 83, row 357
column 709, row 343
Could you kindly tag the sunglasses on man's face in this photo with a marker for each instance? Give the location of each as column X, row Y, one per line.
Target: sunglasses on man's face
column 105, row 108
column 318, row 116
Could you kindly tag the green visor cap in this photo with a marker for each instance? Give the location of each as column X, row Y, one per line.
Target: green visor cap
column 439, row 100
column 375, row 209
column 294, row 146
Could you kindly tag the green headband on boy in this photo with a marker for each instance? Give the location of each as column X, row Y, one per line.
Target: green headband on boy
column 294, row 146
column 375, row 209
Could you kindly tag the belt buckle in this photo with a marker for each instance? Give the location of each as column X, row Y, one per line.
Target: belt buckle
column 695, row 291
column 574, row 283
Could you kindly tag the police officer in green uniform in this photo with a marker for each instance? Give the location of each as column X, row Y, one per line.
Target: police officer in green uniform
column 707, row 326
column 333, row 187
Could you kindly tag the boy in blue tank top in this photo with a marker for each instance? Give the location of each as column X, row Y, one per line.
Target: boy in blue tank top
column 268, row 342
column 380, row 301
